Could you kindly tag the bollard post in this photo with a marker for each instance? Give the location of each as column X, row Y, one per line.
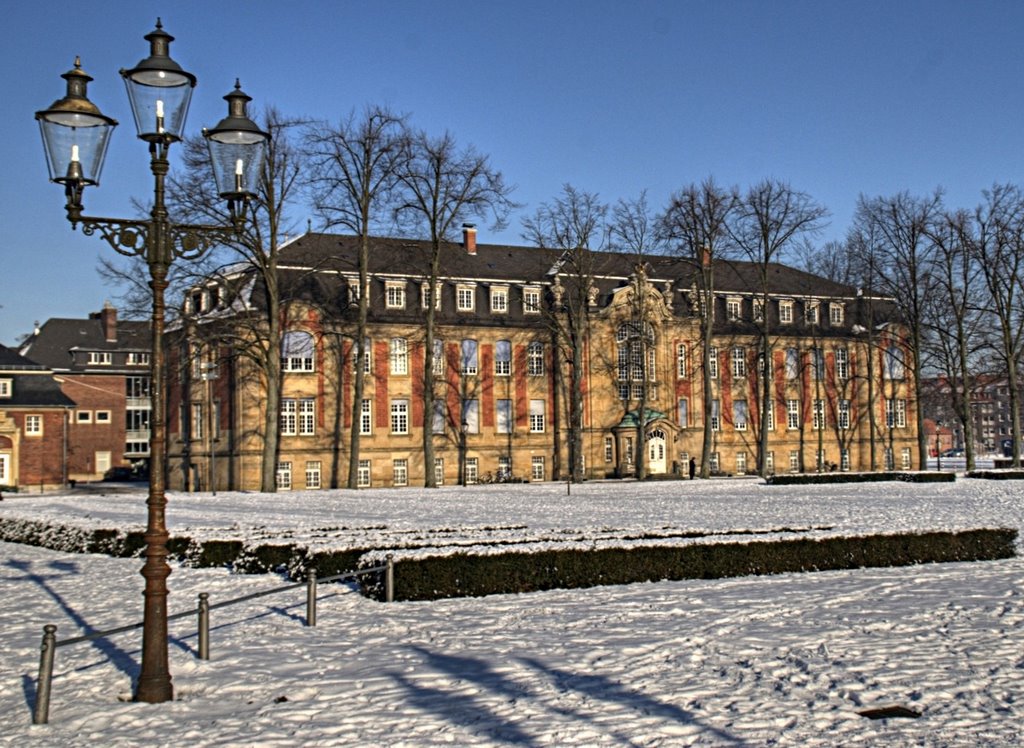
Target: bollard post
column 204, row 626
column 41, row 714
column 389, row 580
column 311, row 598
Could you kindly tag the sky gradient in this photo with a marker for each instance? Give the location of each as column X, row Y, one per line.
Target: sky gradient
column 838, row 99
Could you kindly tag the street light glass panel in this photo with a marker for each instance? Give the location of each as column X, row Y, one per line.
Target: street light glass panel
column 237, row 149
column 75, row 133
column 159, row 91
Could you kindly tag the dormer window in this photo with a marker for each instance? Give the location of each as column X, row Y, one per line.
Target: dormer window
column 811, row 312
column 499, row 299
column 835, row 314
column 733, row 305
column 394, row 294
column 425, row 295
column 465, row 297
column 786, row 311
column 100, row 358
column 531, row 300
column 6, row 388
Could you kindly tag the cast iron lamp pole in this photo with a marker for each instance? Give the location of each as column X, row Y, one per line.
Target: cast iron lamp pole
column 75, row 136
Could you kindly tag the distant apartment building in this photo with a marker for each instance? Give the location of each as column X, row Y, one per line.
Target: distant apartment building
column 990, row 409
column 841, row 396
column 102, row 364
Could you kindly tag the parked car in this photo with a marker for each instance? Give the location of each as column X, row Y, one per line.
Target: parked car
column 953, row 453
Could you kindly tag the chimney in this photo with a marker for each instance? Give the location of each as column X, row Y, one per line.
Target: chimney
column 108, row 318
column 705, row 257
column 469, row 238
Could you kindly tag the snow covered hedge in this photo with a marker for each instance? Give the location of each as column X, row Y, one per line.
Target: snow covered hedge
column 808, row 479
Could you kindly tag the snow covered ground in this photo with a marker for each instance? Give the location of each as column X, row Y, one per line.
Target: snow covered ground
column 785, row 660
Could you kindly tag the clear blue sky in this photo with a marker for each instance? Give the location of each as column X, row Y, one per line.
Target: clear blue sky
column 838, row 98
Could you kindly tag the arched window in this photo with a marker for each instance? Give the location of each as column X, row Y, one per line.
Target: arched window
column 635, row 357
column 297, row 351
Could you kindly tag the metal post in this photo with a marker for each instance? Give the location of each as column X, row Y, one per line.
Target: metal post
column 311, row 598
column 204, row 626
column 389, row 580
column 41, row 714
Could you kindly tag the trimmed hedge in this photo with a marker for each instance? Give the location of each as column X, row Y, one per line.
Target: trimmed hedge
column 812, row 479
column 997, row 474
column 463, row 575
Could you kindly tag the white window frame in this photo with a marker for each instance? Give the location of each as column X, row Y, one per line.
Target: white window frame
column 439, row 470
column 499, row 299
column 283, row 476
column 843, row 414
column 836, row 314
column 364, row 474
column 741, row 463
column 537, row 468
column 437, row 360
column 733, row 308
column 535, row 359
column 394, row 294
column 531, row 300
column 399, row 357
column 425, row 295
column 716, row 415
column 785, row 311
column 683, row 412
column 842, row 363
column 366, row 417
column 503, row 416
column 33, row 424
column 792, row 363
column 399, row 416
column 400, row 472
column 812, row 312
column 713, row 363
column 739, row 415
column 465, row 297
column 537, row 416
column 469, row 357
column 294, row 356
column 792, row 414
column 83, row 416
column 681, row 360
column 503, row 360
column 739, row 362
column 307, row 416
column 289, row 417
column 6, row 388
column 818, row 421
column 313, row 474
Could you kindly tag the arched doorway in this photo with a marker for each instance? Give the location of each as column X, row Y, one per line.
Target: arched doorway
column 656, row 452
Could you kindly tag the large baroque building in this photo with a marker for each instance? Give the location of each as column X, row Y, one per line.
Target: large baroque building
column 841, row 398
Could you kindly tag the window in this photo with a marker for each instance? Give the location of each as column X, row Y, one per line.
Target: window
column 792, row 414
column 895, row 413
column 469, row 359
column 761, row 358
column 535, row 359
column 531, row 300
column 794, row 461
column 283, row 477
column 629, row 450
column 399, row 416
column 770, row 414
column 6, row 388
column 437, row 360
column 499, row 299
column 835, row 314
column 713, row 363
column 818, row 364
column 733, row 304
column 786, row 311
column 818, row 414
column 502, row 358
column 536, row 416
column 609, row 453
column 536, row 468
column 313, row 474
column 399, row 356
column 758, row 310
column 101, row 416
column 137, row 359
column 843, row 414
column 367, row 358
column 636, row 352
column 297, row 351
column 425, row 295
column 739, row 363
column 844, row 460
column 33, row 425
column 905, row 458
column 842, row 363
column 439, row 470
column 741, row 463
column 716, row 420
column 366, row 417
column 890, row 463
column 503, row 416
column 472, row 471
column 683, row 411
column 83, row 416
column 465, row 297
column 792, row 363
column 681, row 361
column 197, row 420
column 504, row 467
column 471, row 416
column 307, row 416
column 440, row 417
column 289, row 420
column 893, row 366
column 715, row 463
column 363, row 474
column 394, row 294
column 739, row 415
column 769, row 463
column 811, row 309
column 400, row 473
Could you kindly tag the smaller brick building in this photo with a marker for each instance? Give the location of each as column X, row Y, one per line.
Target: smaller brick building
column 33, row 424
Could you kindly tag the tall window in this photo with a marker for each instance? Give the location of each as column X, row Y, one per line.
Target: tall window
column 896, row 413
column 440, row 416
column 770, row 414
column 843, row 414
column 313, row 474
column 792, row 414
column 739, row 415
column 307, row 416
column 893, row 366
column 439, row 470
column 794, row 461
column 635, row 342
column 469, row 358
column 536, row 416
column 818, row 363
column 437, row 360
column 471, row 416
column 297, row 351
column 363, row 474
column 684, row 413
column 818, row 415
column 197, row 420
column 399, row 416
column 502, row 358
column 367, row 357
column 741, row 463
column 400, row 472
column 792, row 363
column 758, row 310
column 716, row 419
column 289, row 421
column 366, row 417
column 835, row 314
column 681, row 360
column 503, row 416
column 739, row 362
column 713, row 363
column 609, row 449
column 399, row 356
column 536, row 468
column 535, row 359
column 842, row 363
column 283, row 477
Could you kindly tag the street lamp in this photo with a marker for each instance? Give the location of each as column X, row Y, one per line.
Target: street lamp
column 75, row 137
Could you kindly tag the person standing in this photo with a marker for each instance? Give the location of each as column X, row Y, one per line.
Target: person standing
column 693, row 467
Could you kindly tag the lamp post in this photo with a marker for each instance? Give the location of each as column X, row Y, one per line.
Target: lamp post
column 463, row 430
column 209, row 374
column 75, row 138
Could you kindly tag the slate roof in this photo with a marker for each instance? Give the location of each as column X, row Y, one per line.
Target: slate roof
column 33, row 385
column 57, row 338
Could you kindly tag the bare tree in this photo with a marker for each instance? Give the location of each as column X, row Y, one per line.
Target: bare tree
column 257, row 338
column 353, row 173
column 442, row 186
column 905, row 273
column 573, row 223
column 695, row 223
column 769, row 221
